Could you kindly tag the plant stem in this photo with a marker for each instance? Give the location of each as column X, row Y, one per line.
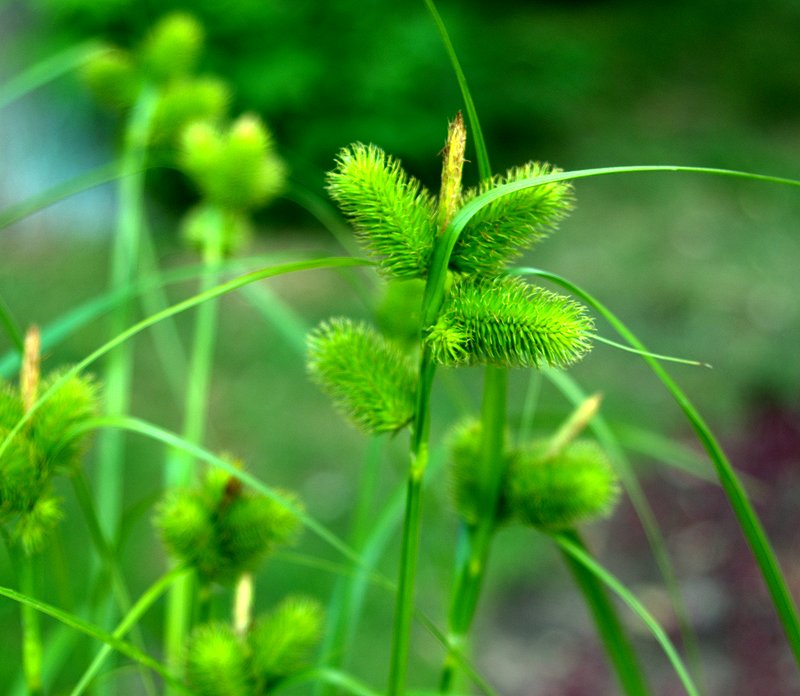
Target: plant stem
column 178, row 471
column 409, row 552
column 31, row 628
column 609, row 627
column 124, row 264
column 477, row 538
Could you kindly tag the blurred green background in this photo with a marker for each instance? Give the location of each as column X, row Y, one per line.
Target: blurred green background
column 699, row 266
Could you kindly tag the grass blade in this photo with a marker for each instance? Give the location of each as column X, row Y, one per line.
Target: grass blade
column 734, row 490
column 128, row 621
column 95, row 632
column 580, row 556
column 47, row 70
column 618, row 647
column 482, row 154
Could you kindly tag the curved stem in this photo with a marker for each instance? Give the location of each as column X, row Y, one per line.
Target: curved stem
column 609, row 627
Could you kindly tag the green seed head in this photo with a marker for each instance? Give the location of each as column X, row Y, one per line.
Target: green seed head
column 369, row 378
column 172, row 48
column 222, row 529
column 236, row 169
column 112, row 78
column 501, row 230
column 394, row 216
column 576, row 485
column 217, row 663
column 506, row 322
column 186, row 101
column 208, row 226
column 282, row 642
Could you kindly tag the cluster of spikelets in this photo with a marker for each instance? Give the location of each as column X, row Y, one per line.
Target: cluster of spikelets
column 49, row 445
column 220, row 662
column 488, row 317
column 165, row 61
column 222, row 529
column 235, row 167
column 543, row 488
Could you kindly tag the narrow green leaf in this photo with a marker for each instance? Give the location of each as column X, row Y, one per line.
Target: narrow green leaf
column 95, row 632
column 734, row 490
column 47, row 70
column 570, row 547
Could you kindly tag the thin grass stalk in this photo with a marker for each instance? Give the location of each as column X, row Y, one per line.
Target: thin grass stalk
column 111, row 565
column 746, row 516
column 179, row 469
column 609, row 627
column 124, row 264
column 31, row 627
column 119, row 367
column 128, row 622
column 471, row 565
column 95, row 632
column 412, row 521
column 11, row 327
column 340, row 626
column 579, row 554
column 47, row 70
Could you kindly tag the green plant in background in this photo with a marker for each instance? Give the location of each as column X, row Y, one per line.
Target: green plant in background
column 450, row 254
column 48, row 447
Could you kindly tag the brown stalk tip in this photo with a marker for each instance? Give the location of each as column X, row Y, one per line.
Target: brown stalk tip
column 31, row 361
column 452, row 167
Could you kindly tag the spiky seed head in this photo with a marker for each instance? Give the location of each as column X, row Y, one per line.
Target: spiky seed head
column 217, row 662
column 35, row 524
column 72, row 404
column 368, row 377
column 222, row 529
column 501, row 230
column 465, row 474
column 112, row 78
column 575, row 486
column 236, row 169
column 282, row 642
column 22, row 478
column 172, row 48
column 186, row 101
column 504, row 321
column 392, row 213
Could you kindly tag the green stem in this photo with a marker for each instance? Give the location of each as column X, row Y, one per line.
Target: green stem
column 477, row 538
column 180, row 464
column 409, row 551
column 119, row 367
column 124, row 263
column 31, row 628
column 615, row 641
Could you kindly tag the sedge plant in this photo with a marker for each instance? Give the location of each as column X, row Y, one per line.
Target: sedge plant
column 456, row 250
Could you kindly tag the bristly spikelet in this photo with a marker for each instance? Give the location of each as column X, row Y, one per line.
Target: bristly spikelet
column 369, row 378
column 173, row 47
column 500, row 231
column 465, row 460
column 557, row 492
column 506, row 322
column 222, row 529
column 282, row 641
column 391, row 211
column 73, row 403
column 185, row 101
column 217, row 664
